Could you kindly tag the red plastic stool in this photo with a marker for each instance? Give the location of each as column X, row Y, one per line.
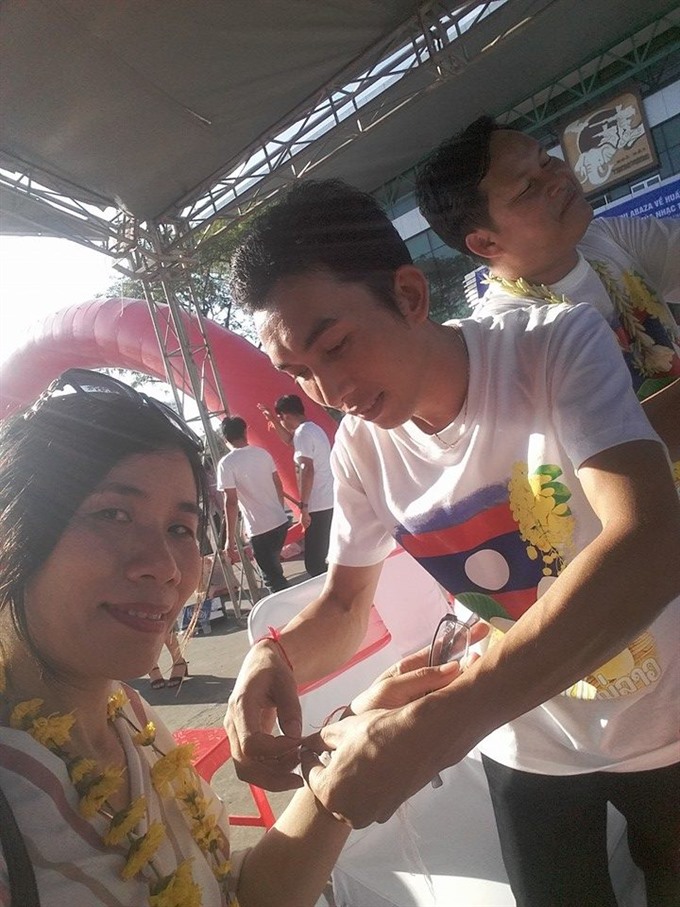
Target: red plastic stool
column 212, row 750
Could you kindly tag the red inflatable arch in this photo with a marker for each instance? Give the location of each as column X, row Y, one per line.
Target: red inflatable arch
column 118, row 333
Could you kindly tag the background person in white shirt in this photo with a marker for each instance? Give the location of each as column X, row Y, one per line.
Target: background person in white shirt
column 315, row 479
column 247, row 475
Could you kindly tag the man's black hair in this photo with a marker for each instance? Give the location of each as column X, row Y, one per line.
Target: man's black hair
column 234, row 428
column 289, row 403
column 319, row 226
column 447, row 184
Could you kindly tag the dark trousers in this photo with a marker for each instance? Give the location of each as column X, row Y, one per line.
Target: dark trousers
column 317, row 535
column 267, row 550
column 553, row 833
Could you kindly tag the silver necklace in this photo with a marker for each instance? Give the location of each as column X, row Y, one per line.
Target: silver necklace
column 459, row 334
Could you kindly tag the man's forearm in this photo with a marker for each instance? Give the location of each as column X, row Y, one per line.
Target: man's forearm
column 330, row 629
column 283, row 433
column 231, row 515
column 306, row 482
column 320, row 639
column 593, row 611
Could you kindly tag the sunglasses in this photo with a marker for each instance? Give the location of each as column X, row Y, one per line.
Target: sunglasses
column 451, row 642
column 84, row 381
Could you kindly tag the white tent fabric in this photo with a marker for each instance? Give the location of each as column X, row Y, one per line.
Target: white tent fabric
column 142, row 105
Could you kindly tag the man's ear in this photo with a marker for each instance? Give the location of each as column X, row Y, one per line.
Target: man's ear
column 483, row 243
column 411, row 293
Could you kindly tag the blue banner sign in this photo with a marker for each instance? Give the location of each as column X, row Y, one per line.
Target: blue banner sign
column 662, row 200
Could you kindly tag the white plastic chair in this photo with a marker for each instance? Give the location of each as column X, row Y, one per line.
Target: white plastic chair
column 408, row 604
column 442, row 848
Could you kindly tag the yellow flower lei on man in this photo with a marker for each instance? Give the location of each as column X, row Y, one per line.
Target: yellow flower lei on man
column 636, row 295
column 172, row 775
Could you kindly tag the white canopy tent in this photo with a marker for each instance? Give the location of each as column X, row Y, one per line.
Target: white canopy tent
column 121, row 115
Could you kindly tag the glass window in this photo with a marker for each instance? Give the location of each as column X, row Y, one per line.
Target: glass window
column 419, row 245
column 404, row 204
column 675, row 159
column 665, row 166
column 671, row 131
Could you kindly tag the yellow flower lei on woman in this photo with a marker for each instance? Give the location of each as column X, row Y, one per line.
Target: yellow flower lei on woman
column 172, row 775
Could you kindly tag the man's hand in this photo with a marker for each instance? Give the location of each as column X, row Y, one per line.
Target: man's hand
column 405, row 681
column 265, row 688
column 232, row 554
column 378, row 761
column 305, row 518
column 378, row 750
column 267, row 413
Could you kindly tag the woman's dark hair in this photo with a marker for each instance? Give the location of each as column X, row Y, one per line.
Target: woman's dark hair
column 322, row 225
column 51, row 460
column 447, row 184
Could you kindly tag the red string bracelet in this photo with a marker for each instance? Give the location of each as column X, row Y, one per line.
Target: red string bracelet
column 275, row 637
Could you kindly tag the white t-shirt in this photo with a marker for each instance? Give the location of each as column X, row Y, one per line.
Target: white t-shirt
column 494, row 510
column 312, row 441
column 249, row 470
column 639, row 258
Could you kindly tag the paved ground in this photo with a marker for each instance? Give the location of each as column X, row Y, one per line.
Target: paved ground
column 214, row 662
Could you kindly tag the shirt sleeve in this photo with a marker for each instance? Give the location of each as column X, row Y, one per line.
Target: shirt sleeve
column 358, row 538
column 225, row 474
column 590, row 393
column 305, row 442
column 655, row 243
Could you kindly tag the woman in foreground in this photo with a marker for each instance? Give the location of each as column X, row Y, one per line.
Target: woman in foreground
column 101, row 512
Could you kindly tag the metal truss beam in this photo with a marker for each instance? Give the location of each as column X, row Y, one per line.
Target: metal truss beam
column 612, row 67
column 437, row 43
column 189, row 365
column 342, row 111
column 358, row 100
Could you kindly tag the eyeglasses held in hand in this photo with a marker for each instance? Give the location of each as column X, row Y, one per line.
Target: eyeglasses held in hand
column 451, row 642
column 85, row 381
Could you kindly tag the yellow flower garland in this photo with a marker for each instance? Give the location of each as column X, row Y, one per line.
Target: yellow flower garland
column 172, row 775
column 650, row 359
column 125, row 821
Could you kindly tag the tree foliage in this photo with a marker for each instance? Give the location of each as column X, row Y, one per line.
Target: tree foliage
column 207, row 283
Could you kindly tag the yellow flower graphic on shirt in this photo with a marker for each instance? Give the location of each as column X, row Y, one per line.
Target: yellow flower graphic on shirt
column 539, row 505
column 633, row 670
column 644, row 298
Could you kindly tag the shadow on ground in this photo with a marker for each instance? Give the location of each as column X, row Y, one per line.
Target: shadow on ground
column 196, row 690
